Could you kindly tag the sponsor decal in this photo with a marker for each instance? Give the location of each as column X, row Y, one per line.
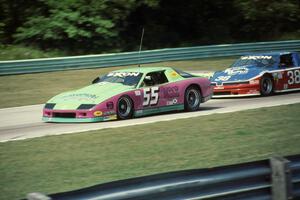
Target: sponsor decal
column 171, row 92
column 109, row 112
column 219, row 88
column 255, row 57
column 98, row 113
column 236, row 70
column 110, row 105
column 254, row 82
column 137, row 93
column 81, row 96
column 280, row 75
column 123, row 74
column 111, row 117
column 222, row 78
column 174, row 74
column 172, row 102
column 277, row 75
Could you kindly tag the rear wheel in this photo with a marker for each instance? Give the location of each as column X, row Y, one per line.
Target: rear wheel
column 266, row 86
column 125, row 108
column 192, row 98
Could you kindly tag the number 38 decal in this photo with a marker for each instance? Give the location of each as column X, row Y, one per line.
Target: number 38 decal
column 294, row 77
column 151, row 96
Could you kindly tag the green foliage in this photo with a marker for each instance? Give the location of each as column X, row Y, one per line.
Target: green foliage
column 98, row 26
column 14, row 13
column 1, row 32
column 277, row 11
column 77, row 23
column 269, row 19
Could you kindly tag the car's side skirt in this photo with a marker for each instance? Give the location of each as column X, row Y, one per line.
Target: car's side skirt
column 235, row 95
column 287, row 90
column 80, row 120
column 150, row 111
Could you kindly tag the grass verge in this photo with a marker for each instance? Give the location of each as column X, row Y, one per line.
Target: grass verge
column 28, row 89
column 61, row 163
column 17, row 52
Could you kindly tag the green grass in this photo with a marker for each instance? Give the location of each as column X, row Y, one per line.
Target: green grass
column 28, row 89
column 61, row 163
column 13, row 52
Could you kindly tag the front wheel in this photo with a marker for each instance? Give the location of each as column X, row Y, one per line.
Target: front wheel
column 125, row 108
column 266, row 86
column 192, row 98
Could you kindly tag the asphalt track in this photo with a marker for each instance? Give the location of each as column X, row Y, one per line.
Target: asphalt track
column 25, row 122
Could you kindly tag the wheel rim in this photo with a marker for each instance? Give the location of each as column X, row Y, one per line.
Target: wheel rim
column 124, row 107
column 267, row 86
column 193, row 98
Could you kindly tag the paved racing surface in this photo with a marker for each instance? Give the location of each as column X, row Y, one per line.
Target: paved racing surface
column 25, row 122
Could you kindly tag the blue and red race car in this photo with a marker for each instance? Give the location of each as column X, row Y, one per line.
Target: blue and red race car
column 259, row 74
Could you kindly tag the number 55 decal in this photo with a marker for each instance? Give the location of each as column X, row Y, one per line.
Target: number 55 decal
column 151, row 96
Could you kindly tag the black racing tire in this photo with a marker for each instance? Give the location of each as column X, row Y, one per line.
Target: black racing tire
column 266, row 86
column 125, row 108
column 192, row 99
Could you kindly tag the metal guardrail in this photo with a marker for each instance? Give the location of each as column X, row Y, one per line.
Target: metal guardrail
column 150, row 56
column 276, row 179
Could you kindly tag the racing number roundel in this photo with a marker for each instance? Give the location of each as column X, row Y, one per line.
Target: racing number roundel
column 151, row 96
column 294, row 77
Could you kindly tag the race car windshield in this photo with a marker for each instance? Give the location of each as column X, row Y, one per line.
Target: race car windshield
column 125, row 78
column 184, row 74
column 258, row 61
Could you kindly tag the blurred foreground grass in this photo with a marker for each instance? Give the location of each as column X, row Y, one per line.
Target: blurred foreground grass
column 67, row 162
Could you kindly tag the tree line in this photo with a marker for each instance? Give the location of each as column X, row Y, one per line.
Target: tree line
column 96, row 26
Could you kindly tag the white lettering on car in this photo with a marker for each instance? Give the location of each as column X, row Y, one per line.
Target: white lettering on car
column 294, row 77
column 123, row 74
column 223, row 78
column 255, row 57
column 151, row 96
column 237, row 70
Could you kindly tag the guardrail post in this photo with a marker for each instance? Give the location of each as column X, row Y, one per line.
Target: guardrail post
column 281, row 178
column 37, row 196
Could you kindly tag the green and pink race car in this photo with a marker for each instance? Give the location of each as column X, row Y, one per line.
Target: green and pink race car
column 128, row 93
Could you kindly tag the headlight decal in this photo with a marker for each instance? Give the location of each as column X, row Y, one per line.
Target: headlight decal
column 85, row 106
column 49, row 105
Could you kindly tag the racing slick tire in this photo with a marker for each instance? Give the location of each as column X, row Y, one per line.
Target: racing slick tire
column 266, row 86
column 192, row 98
column 124, row 108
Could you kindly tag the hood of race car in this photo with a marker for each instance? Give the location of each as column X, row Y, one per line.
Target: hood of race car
column 235, row 74
column 92, row 94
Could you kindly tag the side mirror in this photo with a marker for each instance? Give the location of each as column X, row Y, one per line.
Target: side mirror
column 96, row 80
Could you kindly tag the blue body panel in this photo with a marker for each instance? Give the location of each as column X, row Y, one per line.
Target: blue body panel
column 251, row 66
